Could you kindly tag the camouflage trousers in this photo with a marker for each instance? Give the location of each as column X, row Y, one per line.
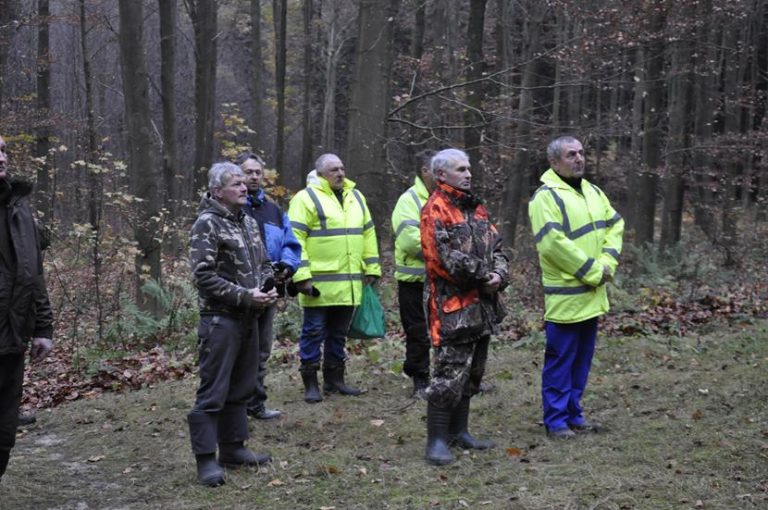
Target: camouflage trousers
column 457, row 371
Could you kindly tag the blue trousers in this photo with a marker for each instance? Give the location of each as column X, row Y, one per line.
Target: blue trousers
column 324, row 327
column 567, row 361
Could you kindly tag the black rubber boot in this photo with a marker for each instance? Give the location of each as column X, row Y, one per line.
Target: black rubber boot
column 209, row 473
column 234, row 455
column 333, row 380
column 311, row 387
column 459, row 433
column 420, row 385
column 438, row 420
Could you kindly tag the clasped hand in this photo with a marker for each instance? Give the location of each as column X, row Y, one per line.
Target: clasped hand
column 263, row 299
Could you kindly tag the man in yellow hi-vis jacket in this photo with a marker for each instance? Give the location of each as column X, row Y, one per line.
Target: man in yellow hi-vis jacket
column 578, row 236
column 339, row 253
column 410, row 274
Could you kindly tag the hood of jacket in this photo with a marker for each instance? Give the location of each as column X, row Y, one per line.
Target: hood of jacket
column 208, row 204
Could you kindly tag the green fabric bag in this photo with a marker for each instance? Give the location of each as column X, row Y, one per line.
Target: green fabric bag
column 368, row 319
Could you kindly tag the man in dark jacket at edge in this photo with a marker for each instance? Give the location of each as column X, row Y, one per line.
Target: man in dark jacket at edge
column 466, row 270
column 230, row 266
column 25, row 311
column 283, row 250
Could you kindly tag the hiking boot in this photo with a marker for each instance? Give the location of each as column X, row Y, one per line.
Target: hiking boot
column 234, row 455
column 260, row 412
column 458, row 429
column 587, row 427
column 209, row 473
column 438, row 453
column 563, row 433
column 333, row 380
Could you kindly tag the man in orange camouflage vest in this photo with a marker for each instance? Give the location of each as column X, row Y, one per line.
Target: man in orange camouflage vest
column 466, row 269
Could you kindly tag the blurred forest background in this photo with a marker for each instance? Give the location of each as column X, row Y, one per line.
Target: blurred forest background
column 116, row 108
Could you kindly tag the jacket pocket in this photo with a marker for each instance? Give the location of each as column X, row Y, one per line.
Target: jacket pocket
column 462, row 317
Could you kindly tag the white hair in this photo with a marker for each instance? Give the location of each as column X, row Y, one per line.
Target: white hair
column 445, row 158
column 221, row 173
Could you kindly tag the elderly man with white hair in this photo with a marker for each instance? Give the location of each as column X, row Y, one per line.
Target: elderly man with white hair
column 229, row 265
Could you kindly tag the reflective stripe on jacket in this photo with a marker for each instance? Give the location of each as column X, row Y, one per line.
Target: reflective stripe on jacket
column 576, row 235
column 409, row 261
column 461, row 250
column 338, row 243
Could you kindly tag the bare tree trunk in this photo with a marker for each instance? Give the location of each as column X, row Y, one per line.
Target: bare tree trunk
column 204, row 15
column 141, row 151
column 705, row 106
column 417, row 42
column 91, row 148
column 306, row 117
column 167, row 11
column 45, row 202
column 95, row 192
column 8, row 12
column 370, row 101
column 280, row 13
column 257, row 83
column 514, row 189
column 652, row 133
column 328, row 135
column 474, row 121
column 731, row 73
column 674, row 183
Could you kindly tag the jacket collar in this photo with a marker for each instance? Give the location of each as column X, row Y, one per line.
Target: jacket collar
column 325, row 186
column 420, row 188
column 459, row 197
column 256, row 199
column 15, row 189
column 208, row 204
column 553, row 180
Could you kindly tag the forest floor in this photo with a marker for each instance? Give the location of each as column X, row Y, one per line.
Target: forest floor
column 687, row 422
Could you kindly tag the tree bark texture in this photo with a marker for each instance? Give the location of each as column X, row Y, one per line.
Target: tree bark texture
column 204, row 14
column 280, row 13
column 168, row 16
column 677, row 145
column 653, row 130
column 370, row 100
column 142, row 168
column 46, row 199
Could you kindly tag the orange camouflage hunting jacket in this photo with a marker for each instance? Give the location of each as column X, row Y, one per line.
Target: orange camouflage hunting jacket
column 461, row 249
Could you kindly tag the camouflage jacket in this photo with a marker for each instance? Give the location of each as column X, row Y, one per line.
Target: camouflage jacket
column 227, row 258
column 461, row 249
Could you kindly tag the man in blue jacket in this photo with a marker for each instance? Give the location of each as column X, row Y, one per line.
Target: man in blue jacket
column 283, row 250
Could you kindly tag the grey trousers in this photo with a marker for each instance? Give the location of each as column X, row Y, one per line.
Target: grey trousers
column 266, row 337
column 228, row 348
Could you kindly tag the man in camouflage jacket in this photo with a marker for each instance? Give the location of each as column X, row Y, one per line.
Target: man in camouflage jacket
column 466, row 269
column 229, row 266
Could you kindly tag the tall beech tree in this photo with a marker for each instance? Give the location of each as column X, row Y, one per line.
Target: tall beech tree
column 142, row 166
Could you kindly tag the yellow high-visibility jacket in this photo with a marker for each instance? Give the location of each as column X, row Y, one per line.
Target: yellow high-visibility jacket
column 409, row 261
column 338, row 243
column 576, row 235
